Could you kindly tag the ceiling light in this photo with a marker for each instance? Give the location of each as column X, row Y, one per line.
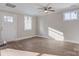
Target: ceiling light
column 45, row 11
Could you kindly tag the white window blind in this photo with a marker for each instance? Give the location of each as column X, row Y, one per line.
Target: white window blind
column 27, row 23
column 70, row 15
column 8, row 19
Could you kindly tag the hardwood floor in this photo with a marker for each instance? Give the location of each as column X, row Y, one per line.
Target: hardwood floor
column 48, row 46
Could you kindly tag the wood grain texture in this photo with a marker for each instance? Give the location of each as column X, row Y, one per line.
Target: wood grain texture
column 44, row 45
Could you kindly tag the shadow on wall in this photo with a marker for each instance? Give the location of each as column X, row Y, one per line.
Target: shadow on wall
column 55, row 34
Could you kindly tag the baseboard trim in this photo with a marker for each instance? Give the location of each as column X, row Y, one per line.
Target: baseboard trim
column 22, row 38
column 42, row 36
column 77, row 42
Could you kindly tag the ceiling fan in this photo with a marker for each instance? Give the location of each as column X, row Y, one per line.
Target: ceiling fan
column 47, row 9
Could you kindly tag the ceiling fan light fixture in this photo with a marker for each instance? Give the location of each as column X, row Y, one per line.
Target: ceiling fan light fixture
column 45, row 11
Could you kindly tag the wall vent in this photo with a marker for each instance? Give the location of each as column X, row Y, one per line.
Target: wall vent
column 10, row 5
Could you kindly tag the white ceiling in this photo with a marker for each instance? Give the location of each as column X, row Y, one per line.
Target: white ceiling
column 32, row 8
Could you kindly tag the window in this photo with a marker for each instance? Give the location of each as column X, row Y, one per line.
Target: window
column 8, row 19
column 70, row 15
column 27, row 23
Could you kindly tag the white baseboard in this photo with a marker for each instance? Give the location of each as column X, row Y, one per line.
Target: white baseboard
column 26, row 37
column 22, row 38
column 77, row 42
column 42, row 36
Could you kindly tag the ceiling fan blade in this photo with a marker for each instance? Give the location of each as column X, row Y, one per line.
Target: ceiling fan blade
column 49, row 7
column 52, row 10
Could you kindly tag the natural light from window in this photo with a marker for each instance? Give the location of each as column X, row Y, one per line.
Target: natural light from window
column 8, row 19
column 55, row 34
column 70, row 16
column 27, row 23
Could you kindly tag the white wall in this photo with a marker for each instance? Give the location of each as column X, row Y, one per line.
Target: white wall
column 20, row 33
column 40, row 26
column 9, row 30
column 56, row 21
column 71, row 30
column 51, row 20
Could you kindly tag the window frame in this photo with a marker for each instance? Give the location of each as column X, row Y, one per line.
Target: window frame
column 27, row 20
column 9, row 19
column 70, row 16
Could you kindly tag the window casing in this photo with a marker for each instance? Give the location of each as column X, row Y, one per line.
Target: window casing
column 70, row 15
column 27, row 23
column 8, row 19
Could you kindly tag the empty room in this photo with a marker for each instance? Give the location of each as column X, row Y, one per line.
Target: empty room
column 39, row 29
